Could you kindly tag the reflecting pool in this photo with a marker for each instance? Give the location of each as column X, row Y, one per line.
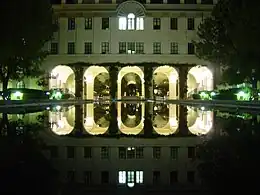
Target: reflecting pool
column 131, row 145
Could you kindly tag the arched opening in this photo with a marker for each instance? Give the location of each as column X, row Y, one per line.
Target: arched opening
column 165, row 82
column 62, row 77
column 96, row 123
column 165, row 119
column 130, row 118
column 131, row 85
column 62, row 120
column 199, row 78
column 200, row 122
column 95, row 77
column 130, row 75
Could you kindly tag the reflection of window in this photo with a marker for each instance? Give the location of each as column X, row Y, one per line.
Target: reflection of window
column 174, row 48
column 157, row 23
column 130, row 177
column 131, row 22
column 71, row 48
column 174, row 152
column 157, row 152
column 105, row 153
column 139, row 47
column 105, row 47
column 131, row 152
column 87, row 152
column 157, row 48
column 88, row 48
column 70, row 152
column 191, row 152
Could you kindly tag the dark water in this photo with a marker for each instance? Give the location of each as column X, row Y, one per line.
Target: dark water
column 117, row 148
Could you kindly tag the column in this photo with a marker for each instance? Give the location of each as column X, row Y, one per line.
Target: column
column 113, row 126
column 183, row 121
column 78, row 130
column 148, row 124
column 148, row 82
column 79, row 72
column 113, row 75
column 183, row 88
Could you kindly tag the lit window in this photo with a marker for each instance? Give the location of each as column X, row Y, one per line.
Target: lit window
column 139, row 176
column 130, row 178
column 139, row 23
column 122, row 23
column 122, row 177
column 131, row 21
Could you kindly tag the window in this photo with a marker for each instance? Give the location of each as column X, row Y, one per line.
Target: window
column 173, row 177
column 105, row 153
column 122, row 47
column 157, row 48
column 70, row 176
column 191, row 24
column 139, row 47
column 105, row 23
column 191, row 48
column 174, row 152
column 174, row 48
column 191, row 152
column 71, row 24
column 130, row 177
column 53, row 151
column 207, row 2
column 157, row 152
column 131, row 22
column 131, row 47
column 87, row 152
column 54, row 48
column 156, row 177
column 104, row 177
column 131, row 152
column 88, row 48
column 157, row 23
column 70, row 152
column 87, row 177
column 174, row 24
column 105, row 47
column 191, row 176
column 190, row 1
column 88, row 23
column 71, row 48
column 20, row 84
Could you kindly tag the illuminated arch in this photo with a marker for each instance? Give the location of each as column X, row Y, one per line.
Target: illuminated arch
column 89, row 77
column 127, row 130
column 200, row 78
column 130, row 6
column 200, row 122
column 89, row 123
column 130, row 69
column 62, row 123
column 172, row 76
column 62, row 77
column 172, row 126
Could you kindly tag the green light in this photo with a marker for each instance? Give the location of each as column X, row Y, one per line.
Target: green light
column 17, row 95
column 241, row 95
column 213, row 93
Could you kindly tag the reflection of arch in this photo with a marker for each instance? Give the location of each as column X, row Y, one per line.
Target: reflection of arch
column 60, row 78
column 89, row 77
column 135, row 69
column 202, row 124
column 62, row 123
column 127, row 130
column 200, row 78
column 172, row 76
column 89, row 124
column 172, row 125
column 130, row 6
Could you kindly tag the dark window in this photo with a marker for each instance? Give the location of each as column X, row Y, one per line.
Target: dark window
column 191, row 152
column 156, row 177
column 54, row 48
column 87, row 152
column 174, row 152
column 71, row 176
column 191, row 24
column 157, row 23
column 105, row 153
column 156, row 1
column 55, row 2
column 70, row 152
column 53, row 151
column 173, row 1
column 190, row 1
column 105, row 23
column 88, row 23
column 71, row 23
column 71, row 1
column 105, row 1
column 156, row 152
column 173, row 177
column 122, row 152
column 71, row 48
column 191, row 176
column 191, row 48
column 122, row 47
column 174, row 24
column 207, row 2
column 87, row 177
column 88, row 48
column 104, row 177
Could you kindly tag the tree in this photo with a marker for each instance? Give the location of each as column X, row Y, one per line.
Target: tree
column 28, row 27
column 230, row 38
column 229, row 161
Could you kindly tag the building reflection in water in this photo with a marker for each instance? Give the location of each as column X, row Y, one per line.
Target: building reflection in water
column 164, row 160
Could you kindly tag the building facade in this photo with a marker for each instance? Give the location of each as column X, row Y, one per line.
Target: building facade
column 138, row 44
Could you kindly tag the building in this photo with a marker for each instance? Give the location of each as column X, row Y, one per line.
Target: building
column 142, row 45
